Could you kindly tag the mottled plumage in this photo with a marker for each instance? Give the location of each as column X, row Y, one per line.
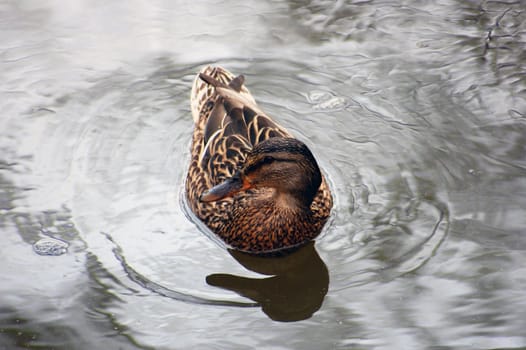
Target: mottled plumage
column 253, row 184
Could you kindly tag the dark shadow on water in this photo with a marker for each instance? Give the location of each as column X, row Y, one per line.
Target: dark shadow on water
column 295, row 290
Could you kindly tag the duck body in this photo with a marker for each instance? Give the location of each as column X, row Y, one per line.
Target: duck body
column 254, row 185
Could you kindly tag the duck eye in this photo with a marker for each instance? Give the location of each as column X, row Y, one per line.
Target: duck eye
column 259, row 163
column 267, row 160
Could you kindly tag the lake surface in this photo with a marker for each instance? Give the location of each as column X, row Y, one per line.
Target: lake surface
column 416, row 111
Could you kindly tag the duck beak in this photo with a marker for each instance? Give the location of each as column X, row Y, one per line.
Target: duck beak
column 227, row 188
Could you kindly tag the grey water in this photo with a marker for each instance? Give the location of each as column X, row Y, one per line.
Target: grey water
column 415, row 110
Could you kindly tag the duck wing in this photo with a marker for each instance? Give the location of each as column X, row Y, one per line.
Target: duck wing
column 234, row 105
column 232, row 125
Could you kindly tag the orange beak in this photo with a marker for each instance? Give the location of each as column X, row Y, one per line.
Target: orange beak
column 227, row 188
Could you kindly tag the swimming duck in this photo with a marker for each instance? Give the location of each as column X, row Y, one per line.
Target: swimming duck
column 250, row 181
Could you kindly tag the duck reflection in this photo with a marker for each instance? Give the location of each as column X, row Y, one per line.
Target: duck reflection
column 295, row 291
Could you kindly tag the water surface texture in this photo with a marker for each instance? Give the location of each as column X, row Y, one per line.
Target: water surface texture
column 416, row 111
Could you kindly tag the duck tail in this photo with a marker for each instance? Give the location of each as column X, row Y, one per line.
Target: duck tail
column 205, row 83
column 204, row 86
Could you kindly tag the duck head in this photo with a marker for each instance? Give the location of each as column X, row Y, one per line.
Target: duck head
column 283, row 164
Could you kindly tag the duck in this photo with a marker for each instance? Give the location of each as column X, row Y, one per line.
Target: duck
column 250, row 181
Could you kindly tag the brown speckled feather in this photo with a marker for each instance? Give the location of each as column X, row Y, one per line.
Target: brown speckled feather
column 228, row 124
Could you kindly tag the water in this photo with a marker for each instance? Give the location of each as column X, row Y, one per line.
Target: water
column 415, row 110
